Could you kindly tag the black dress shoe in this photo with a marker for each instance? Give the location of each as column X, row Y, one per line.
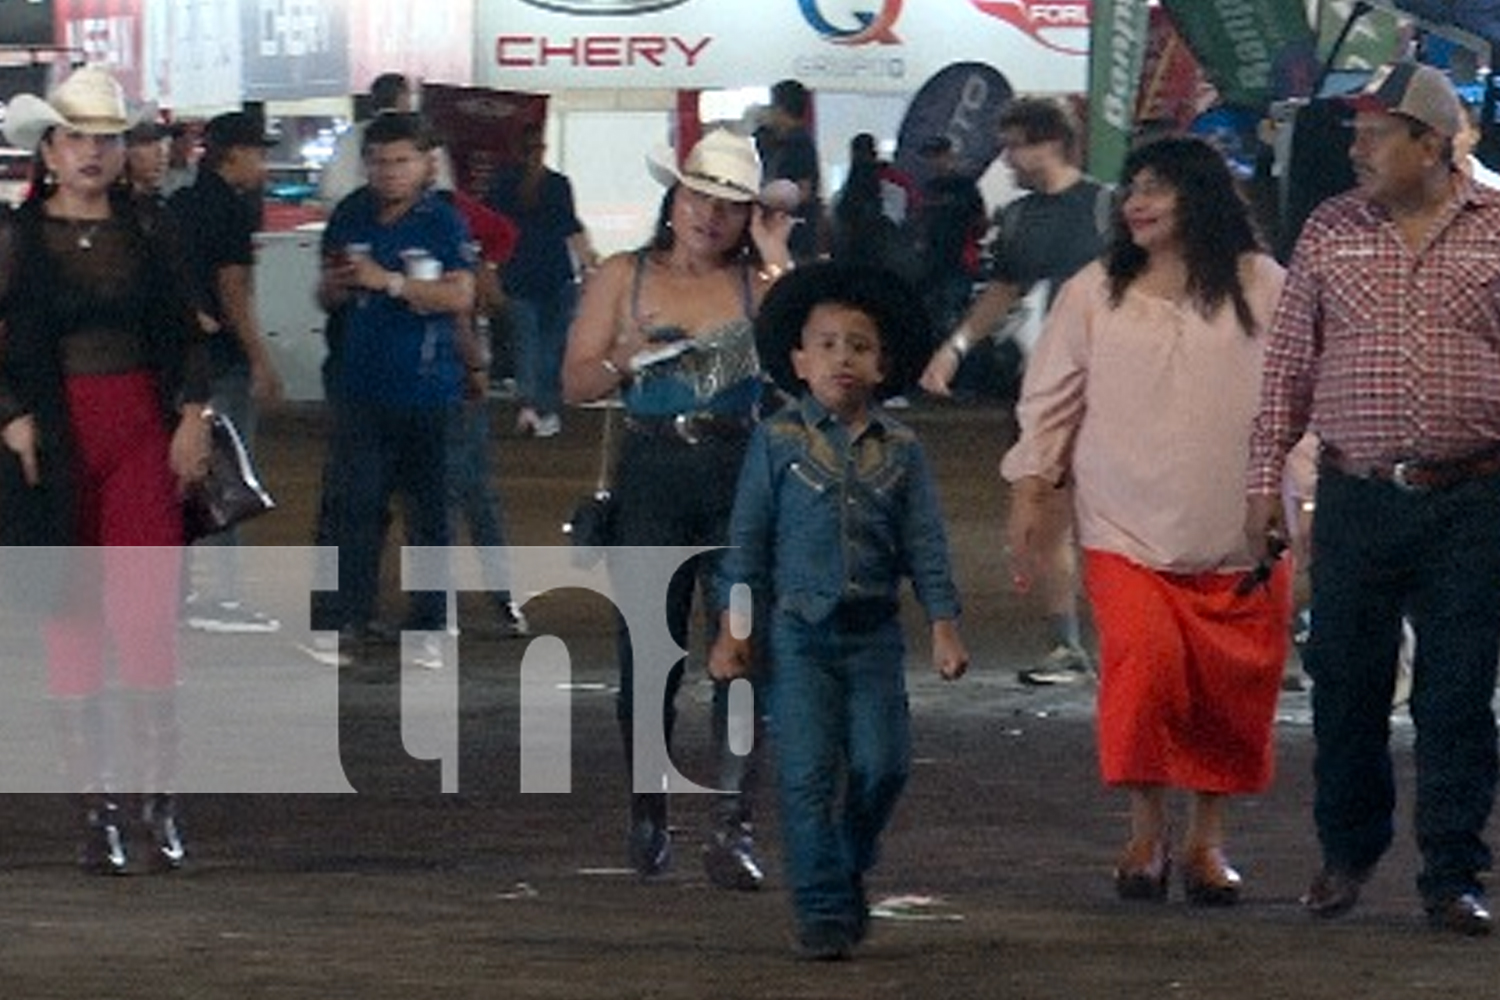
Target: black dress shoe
column 1333, row 892
column 729, row 859
column 1465, row 914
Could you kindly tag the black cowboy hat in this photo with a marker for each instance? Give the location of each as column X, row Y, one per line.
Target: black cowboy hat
column 905, row 331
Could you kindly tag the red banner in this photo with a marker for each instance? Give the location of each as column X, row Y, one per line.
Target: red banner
column 1173, row 87
column 105, row 31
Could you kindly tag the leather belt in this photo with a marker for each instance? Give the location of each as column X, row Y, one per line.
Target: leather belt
column 691, row 428
column 1419, row 475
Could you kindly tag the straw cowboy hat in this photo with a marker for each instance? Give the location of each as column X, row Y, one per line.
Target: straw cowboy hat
column 896, row 308
column 90, row 101
column 722, row 165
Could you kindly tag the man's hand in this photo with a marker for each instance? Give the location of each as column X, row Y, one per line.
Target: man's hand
column 940, row 370
column 20, row 437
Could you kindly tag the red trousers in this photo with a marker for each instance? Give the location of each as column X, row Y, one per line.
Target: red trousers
column 1189, row 674
column 129, row 530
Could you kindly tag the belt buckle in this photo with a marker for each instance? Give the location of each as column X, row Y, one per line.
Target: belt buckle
column 1400, row 473
column 683, row 425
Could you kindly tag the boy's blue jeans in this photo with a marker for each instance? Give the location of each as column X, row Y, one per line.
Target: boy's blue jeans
column 839, row 717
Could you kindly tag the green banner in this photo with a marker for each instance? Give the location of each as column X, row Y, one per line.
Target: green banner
column 1117, row 47
column 1249, row 49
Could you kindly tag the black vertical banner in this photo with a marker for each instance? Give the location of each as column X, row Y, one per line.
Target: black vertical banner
column 295, row 49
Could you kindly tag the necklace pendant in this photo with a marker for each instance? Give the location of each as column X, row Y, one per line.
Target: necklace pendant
column 86, row 241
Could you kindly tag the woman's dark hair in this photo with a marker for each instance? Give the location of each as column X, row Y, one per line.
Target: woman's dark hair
column 663, row 239
column 1212, row 220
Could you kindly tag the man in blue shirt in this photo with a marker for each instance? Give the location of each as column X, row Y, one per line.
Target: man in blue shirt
column 835, row 505
column 399, row 257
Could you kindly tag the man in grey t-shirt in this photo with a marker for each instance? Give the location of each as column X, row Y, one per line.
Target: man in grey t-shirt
column 1044, row 237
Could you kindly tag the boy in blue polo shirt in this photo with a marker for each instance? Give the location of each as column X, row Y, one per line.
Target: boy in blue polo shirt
column 835, row 505
column 399, row 258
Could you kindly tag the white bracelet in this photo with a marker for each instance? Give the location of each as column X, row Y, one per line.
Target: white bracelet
column 960, row 343
column 773, row 272
column 395, row 284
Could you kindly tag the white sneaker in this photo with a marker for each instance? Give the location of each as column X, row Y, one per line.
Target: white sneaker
column 1064, row 665
column 433, row 654
column 547, row 425
column 335, row 650
column 228, row 617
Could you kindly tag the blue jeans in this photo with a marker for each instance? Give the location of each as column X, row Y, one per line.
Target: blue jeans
column 472, row 494
column 1381, row 551
column 382, row 451
column 540, row 326
column 839, row 718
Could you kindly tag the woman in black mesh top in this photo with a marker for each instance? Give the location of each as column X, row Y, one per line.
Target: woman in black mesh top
column 102, row 390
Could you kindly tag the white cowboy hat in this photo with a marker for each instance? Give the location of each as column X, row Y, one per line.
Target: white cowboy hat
column 722, row 165
column 90, row 101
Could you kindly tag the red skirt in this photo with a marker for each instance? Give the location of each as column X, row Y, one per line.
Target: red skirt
column 1189, row 673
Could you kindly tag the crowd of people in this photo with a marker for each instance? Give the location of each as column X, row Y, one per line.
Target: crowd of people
column 1172, row 367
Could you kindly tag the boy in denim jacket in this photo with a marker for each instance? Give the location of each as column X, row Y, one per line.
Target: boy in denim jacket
column 835, row 505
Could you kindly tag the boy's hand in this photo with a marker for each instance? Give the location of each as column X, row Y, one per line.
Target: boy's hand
column 949, row 657
column 730, row 657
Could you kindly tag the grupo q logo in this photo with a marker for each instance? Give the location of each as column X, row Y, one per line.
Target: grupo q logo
column 603, row 7
column 1060, row 25
column 869, row 25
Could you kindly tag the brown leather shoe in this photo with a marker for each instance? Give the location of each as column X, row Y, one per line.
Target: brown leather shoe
column 1143, row 870
column 1333, row 892
column 1208, row 879
column 1465, row 914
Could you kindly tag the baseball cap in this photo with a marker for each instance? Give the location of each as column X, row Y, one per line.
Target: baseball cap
column 1416, row 91
column 236, row 128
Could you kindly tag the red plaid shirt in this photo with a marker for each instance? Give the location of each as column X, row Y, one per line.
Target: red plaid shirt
column 1389, row 354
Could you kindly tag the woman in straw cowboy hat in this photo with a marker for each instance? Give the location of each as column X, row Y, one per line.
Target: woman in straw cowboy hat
column 102, row 386
column 670, row 327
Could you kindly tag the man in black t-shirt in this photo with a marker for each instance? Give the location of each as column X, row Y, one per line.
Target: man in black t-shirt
column 1043, row 238
column 217, row 218
column 787, row 152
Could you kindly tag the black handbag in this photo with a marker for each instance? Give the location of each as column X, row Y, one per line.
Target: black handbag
column 231, row 492
column 592, row 524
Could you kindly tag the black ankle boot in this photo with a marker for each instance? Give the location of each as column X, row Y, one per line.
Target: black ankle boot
column 650, row 841
column 103, row 850
column 159, row 815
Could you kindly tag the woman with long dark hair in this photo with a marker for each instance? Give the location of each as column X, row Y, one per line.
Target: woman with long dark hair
column 670, row 328
column 102, row 386
column 1141, row 391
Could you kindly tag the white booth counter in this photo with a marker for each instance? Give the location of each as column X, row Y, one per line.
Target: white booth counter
column 286, row 283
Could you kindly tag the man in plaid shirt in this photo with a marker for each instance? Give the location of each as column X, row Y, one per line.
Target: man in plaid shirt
column 1387, row 344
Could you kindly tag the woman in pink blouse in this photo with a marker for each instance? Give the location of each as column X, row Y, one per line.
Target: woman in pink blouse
column 1141, row 391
